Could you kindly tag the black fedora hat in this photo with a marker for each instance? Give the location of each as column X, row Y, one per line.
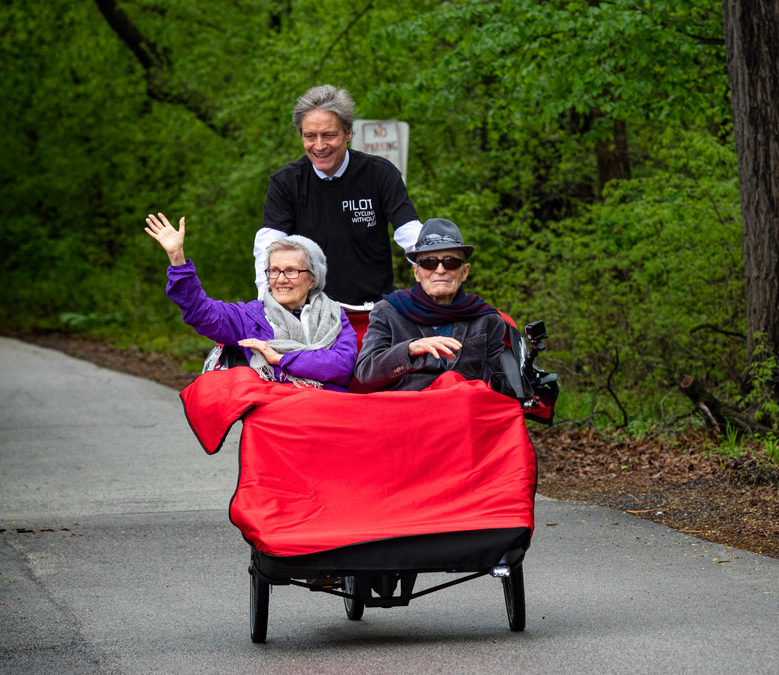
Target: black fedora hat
column 439, row 234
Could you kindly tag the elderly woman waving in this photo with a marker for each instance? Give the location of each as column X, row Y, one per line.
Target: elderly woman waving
column 294, row 334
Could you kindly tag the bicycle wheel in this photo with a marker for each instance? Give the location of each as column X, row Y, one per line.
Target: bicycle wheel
column 514, row 593
column 259, row 599
column 354, row 606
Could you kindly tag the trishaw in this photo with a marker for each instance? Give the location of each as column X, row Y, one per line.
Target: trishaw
column 358, row 495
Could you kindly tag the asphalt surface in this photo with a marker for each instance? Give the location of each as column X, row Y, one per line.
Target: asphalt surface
column 117, row 556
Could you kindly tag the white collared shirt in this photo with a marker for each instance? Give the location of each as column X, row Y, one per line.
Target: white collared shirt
column 337, row 174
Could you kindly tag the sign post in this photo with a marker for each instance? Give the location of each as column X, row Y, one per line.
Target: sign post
column 385, row 138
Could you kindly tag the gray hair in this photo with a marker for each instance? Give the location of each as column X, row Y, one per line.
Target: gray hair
column 328, row 98
column 316, row 263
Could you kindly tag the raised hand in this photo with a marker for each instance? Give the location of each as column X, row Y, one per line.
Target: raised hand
column 171, row 239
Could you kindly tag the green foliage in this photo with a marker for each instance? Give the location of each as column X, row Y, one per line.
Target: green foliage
column 646, row 277
column 762, row 450
column 762, row 375
column 731, row 445
column 507, row 102
column 770, row 445
column 512, row 96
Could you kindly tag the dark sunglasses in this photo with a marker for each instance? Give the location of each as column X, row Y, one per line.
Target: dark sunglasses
column 449, row 263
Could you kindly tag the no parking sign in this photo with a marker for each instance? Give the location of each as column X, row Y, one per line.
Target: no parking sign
column 386, row 138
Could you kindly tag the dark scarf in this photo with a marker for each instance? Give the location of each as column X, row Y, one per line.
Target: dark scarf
column 419, row 307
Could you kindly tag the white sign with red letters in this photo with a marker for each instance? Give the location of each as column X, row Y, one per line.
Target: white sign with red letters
column 386, row 138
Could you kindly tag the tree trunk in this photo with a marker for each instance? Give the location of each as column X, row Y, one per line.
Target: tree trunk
column 752, row 43
column 613, row 157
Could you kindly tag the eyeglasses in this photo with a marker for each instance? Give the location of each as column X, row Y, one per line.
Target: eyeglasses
column 449, row 262
column 289, row 273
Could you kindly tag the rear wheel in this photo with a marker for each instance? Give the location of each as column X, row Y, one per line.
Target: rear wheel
column 514, row 593
column 354, row 606
column 259, row 599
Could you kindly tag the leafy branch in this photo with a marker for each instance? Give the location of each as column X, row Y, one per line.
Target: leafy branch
column 159, row 85
column 343, row 34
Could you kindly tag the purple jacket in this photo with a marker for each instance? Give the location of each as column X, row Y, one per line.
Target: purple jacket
column 228, row 322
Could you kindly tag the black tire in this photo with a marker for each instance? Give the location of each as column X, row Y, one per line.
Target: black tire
column 514, row 593
column 354, row 606
column 259, row 599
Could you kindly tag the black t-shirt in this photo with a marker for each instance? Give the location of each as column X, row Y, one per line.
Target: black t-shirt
column 347, row 217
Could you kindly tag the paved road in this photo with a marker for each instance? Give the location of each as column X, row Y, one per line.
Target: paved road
column 116, row 556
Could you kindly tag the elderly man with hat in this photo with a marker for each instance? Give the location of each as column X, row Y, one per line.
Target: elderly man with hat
column 416, row 335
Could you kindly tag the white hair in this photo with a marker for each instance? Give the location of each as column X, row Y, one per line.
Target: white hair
column 316, row 263
column 328, row 98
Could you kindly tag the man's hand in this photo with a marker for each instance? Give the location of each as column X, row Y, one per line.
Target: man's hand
column 270, row 354
column 437, row 345
column 171, row 239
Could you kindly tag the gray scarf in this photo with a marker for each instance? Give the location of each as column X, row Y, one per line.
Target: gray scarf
column 318, row 327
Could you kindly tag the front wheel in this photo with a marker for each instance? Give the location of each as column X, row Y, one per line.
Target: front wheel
column 354, row 606
column 514, row 593
column 259, row 599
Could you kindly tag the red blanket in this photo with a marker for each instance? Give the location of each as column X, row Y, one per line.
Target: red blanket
column 322, row 469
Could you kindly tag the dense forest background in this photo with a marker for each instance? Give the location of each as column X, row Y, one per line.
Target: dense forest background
column 586, row 148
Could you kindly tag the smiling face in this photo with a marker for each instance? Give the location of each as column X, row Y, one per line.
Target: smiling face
column 441, row 284
column 324, row 140
column 290, row 293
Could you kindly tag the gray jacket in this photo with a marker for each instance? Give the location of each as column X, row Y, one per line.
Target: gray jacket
column 385, row 363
